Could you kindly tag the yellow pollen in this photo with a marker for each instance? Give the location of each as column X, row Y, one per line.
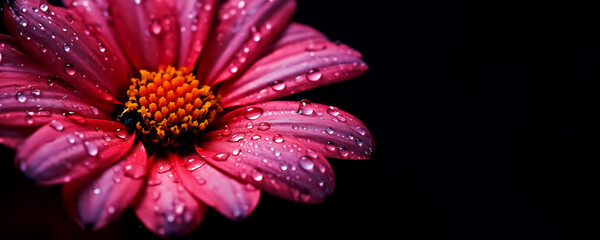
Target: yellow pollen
column 169, row 104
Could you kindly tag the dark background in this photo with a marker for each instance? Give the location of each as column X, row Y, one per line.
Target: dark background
column 475, row 110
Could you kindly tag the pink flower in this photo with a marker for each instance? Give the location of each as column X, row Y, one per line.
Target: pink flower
column 166, row 106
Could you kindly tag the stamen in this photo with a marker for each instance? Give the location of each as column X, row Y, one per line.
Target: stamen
column 168, row 105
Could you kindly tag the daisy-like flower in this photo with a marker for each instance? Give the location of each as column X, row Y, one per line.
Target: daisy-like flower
column 166, row 106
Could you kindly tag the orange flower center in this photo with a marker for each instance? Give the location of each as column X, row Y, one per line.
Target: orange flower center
column 169, row 104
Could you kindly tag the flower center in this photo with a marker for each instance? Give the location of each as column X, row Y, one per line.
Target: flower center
column 167, row 105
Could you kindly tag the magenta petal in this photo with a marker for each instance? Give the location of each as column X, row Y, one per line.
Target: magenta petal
column 32, row 101
column 63, row 151
column 58, row 39
column 12, row 137
column 148, row 31
column 297, row 32
column 244, row 32
column 165, row 206
column 195, row 18
column 14, row 60
column 326, row 129
column 278, row 164
column 99, row 23
column 230, row 197
column 293, row 68
column 94, row 201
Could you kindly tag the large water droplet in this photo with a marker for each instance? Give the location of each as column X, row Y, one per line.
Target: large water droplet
column 21, row 97
column 278, row 85
column 264, row 126
column 314, row 75
column 221, row 156
column 193, row 164
column 135, row 171
column 360, row 130
column 163, row 166
column 43, row 7
column 66, row 47
column 91, row 148
column 121, row 133
column 278, row 138
column 306, row 163
column 253, row 113
column 305, row 107
column 330, row 146
column 155, row 27
column 69, row 69
column 333, row 111
column 57, row 125
column 236, row 137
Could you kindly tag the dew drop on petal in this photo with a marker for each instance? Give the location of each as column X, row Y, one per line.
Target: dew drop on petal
column 236, row 137
column 57, row 125
column 101, row 47
column 135, row 171
column 221, row 156
column 121, row 133
column 278, row 85
column 163, row 166
column 330, row 146
column 305, row 107
column 314, row 75
column 306, row 163
column 264, row 126
column 43, row 7
column 155, row 27
column 69, row 69
column 21, row 97
column 257, row 176
column 278, row 138
column 253, row 113
column 360, row 130
column 90, row 148
column 192, row 164
column 333, row 111
column 66, row 47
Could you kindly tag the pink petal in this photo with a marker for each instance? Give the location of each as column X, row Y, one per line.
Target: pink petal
column 58, row 39
column 278, row 164
column 13, row 59
column 166, row 207
column 147, row 31
column 293, row 68
column 231, row 198
column 325, row 129
column 244, row 32
column 94, row 201
column 99, row 23
column 297, row 32
column 33, row 101
column 63, row 151
column 195, row 18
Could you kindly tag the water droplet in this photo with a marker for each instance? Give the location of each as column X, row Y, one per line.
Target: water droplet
column 256, row 36
column 360, row 130
column 121, row 133
column 43, row 7
column 314, row 75
column 29, row 119
column 278, row 85
column 233, row 69
column 236, row 137
column 94, row 110
column 57, row 125
column 155, row 27
column 21, row 97
column 343, row 151
column 106, row 138
column 329, row 130
column 312, row 153
column 193, row 164
column 278, row 138
column 91, row 148
column 253, row 113
column 163, row 166
column 69, row 69
column 154, row 182
column 66, row 47
column 110, row 210
column 264, row 126
column 330, row 146
column 70, row 138
column 283, row 166
column 135, row 171
column 359, row 142
column 101, row 47
column 221, row 156
column 257, row 176
column 313, row 47
column 97, row 191
column 306, row 163
column 305, row 107
column 333, row 111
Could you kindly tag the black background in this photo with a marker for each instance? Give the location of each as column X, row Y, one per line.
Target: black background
column 475, row 110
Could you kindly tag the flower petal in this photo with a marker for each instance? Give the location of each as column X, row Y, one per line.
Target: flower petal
column 33, row 101
column 297, row 32
column 293, row 68
column 244, row 32
column 325, row 129
column 230, row 197
column 195, row 18
column 278, row 164
column 94, row 201
column 62, row 151
column 148, row 31
column 12, row 137
column 165, row 206
column 13, row 59
column 99, row 23
column 57, row 38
